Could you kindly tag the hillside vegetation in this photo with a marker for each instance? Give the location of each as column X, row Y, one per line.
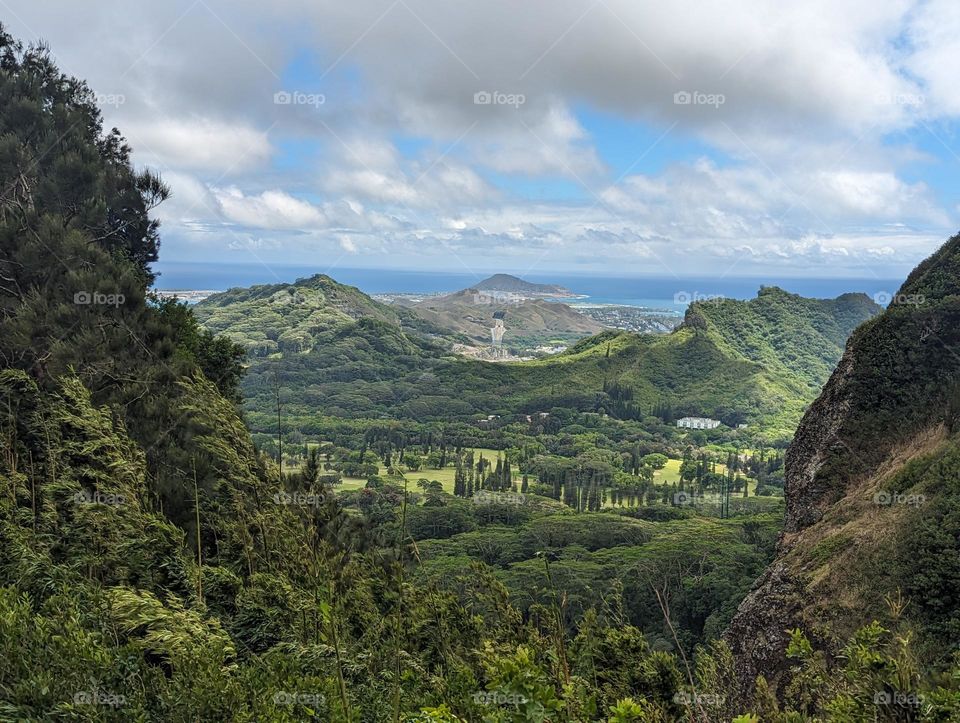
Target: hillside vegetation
column 758, row 362
column 294, row 318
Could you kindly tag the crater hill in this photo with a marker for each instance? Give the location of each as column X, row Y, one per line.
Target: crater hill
column 514, row 284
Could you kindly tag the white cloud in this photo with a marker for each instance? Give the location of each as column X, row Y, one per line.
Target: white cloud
column 554, row 144
column 805, row 161
column 199, row 144
column 874, row 195
column 375, row 171
column 270, row 209
column 347, row 244
column 935, row 32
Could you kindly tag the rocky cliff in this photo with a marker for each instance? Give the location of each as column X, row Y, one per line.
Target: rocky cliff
column 871, row 479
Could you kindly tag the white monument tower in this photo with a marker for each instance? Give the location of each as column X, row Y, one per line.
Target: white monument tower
column 497, row 331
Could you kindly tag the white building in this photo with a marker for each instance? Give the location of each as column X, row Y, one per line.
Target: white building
column 698, row 423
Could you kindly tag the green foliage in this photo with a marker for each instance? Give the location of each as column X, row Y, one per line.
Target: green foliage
column 928, row 549
column 629, row 711
column 219, row 359
column 519, row 680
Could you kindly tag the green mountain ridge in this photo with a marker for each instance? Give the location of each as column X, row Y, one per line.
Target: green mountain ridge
column 786, row 332
column 759, row 361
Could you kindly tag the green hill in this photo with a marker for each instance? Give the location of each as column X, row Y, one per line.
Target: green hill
column 786, row 332
column 758, row 362
column 514, row 284
column 272, row 318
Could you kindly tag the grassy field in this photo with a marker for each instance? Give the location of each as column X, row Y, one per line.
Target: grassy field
column 669, row 474
column 443, row 476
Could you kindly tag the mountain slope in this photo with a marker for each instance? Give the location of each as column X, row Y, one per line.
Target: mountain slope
column 133, row 495
column 872, row 478
column 788, row 333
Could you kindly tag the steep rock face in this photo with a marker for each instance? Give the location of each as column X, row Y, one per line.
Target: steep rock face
column 818, row 436
column 757, row 634
column 886, row 411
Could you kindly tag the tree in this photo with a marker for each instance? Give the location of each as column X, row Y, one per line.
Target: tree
column 655, row 460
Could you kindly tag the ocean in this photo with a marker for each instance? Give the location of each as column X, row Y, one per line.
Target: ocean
column 652, row 292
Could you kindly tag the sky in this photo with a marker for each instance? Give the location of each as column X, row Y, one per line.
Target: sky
column 742, row 138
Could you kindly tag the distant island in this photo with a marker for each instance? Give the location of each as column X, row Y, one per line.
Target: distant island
column 516, row 285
